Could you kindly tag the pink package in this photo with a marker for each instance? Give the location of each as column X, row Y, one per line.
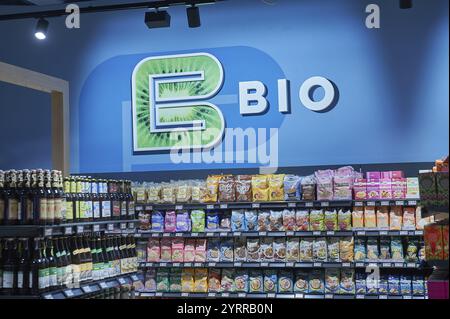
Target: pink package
column 360, row 189
column 373, row 175
column 398, row 188
column 200, row 250
column 373, row 189
column 166, row 250
column 178, row 250
column 153, row 250
column 397, row 174
column 189, row 250
column 385, row 188
column 324, row 184
column 343, row 182
column 386, row 175
column 170, row 221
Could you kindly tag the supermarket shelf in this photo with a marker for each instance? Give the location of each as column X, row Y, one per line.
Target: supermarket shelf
column 19, row 297
column 284, row 204
column 266, row 295
column 147, row 234
column 67, row 229
column 440, row 264
column 397, row 265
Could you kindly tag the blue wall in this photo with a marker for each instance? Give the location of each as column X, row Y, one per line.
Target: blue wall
column 393, row 82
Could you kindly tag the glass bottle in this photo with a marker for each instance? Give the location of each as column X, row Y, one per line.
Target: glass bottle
column 12, row 202
column 2, row 196
column 58, row 195
column 50, row 198
column 96, row 213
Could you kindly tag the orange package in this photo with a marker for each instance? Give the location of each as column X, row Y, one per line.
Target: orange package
column 370, row 219
column 358, row 217
column 434, row 249
column 409, row 218
column 383, row 217
column 395, row 218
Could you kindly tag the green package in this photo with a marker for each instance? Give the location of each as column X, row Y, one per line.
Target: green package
column 198, row 221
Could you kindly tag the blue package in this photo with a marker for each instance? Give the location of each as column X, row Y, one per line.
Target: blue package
column 418, row 286
column 394, row 285
column 405, row 285
column 157, row 221
column 238, row 220
column 360, row 283
column 371, row 285
column 212, row 221
column 383, row 285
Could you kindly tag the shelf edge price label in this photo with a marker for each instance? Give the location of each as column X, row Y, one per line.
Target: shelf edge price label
column 80, row 229
column 317, row 233
column 324, row 204
column 382, row 297
column 110, row 227
column 270, row 295
column 330, row 232
column 212, row 264
column 256, row 205
column 383, row 232
column 184, row 294
column 289, row 233
column 328, row 296
column 359, row 265
column 399, row 203
column 130, row 225
column 223, row 234
column 209, row 234
column 359, row 296
column 194, row 234
column 237, row 233
column 403, row 232
column 176, row 264
column 69, row 293
column 289, row 264
column 96, row 228
column 67, row 230
column 262, row 233
column 154, row 235
column 387, row 265
column 370, row 203
column 399, row 265
column 299, row 296
column 209, row 206
column 223, row 206
column 197, row 264
column 48, row 296
column 166, row 234
column 237, row 264
column 309, row 204
column 121, row 281
column 225, row 294
column 86, row 289
column 264, row 264
column 361, row 233
column 317, row 264
column 162, row 264
column 179, row 235
column 418, row 232
column 159, row 294
column 103, row 285
column 188, row 264
column 412, row 203
column 359, row 204
column 211, row 294
column 48, row 231
column 178, row 207
column 134, row 278
column 407, row 297
column 384, row 203
column 148, row 207
column 242, row 295
column 411, row 265
column 345, row 264
column 292, row 205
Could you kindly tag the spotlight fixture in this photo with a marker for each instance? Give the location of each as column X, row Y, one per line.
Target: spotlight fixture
column 193, row 16
column 41, row 29
column 157, row 19
column 406, row 4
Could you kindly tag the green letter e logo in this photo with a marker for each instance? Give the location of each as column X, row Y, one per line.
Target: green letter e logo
column 169, row 107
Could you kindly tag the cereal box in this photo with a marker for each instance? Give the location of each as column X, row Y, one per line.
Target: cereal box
column 373, row 189
column 433, row 242
column 412, row 188
column 398, row 188
column 385, row 188
column 360, row 189
column 397, row 174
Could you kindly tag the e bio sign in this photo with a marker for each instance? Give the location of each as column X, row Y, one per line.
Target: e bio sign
column 170, row 101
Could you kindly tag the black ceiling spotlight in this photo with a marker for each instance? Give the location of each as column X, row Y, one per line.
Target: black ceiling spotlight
column 193, row 16
column 406, row 4
column 41, row 29
column 157, row 19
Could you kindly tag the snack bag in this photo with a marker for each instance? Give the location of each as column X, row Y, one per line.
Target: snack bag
column 227, row 282
column 266, row 249
column 175, row 280
column 178, row 250
column 344, row 220
column 276, row 187
column 253, row 249
column 360, row 284
column 372, row 285
column 397, row 249
column 255, row 281
column 370, row 220
column 316, row 220
column 276, row 221
column 316, row 282
column 306, row 249
column 263, row 220
column 162, row 280
column 445, row 242
column 213, row 250
column 285, row 281
column 412, row 250
column 153, row 250
column 196, row 194
column 201, row 280
column 183, row 222
column 183, row 193
column 189, row 250
column 383, row 285
column 168, row 193
column 251, row 220
column 226, row 250
column 409, row 218
column 150, row 280
column 358, row 218
column 385, row 249
column 394, row 285
column 144, row 220
column 360, row 250
column 395, row 218
column 214, row 280
column 292, row 249
column 324, row 184
column 330, row 220
column 166, row 250
column 170, row 222
column 343, row 183
column 227, row 191
column 240, row 249
column 332, row 280
column 260, row 188
column 203, row 191
column 241, row 280
column 292, row 187
column 308, row 184
column 301, row 281
column 238, row 220
column 333, row 249
column 243, row 188
column 157, row 222
column 270, row 280
column 279, row 248
column 372, row 249
column 212, row 189
column 383, row 218
column 418, row 285
column 198, row 220
column 289, row 223
column 346, row 245
column 302, row 220
column 200, row 250
column 212, row 221
column 405, row 285
column 187, row 280
column 320, row 249
column 225, row 221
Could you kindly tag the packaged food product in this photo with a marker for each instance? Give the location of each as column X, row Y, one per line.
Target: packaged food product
column 344, row 220
column 292, row 187
column 418, row 285
column 412, row 188
column 238, row 220
column 183, row 223
column 241, row 280
column 434, row 247
column 385, row 188
column 330, row 220
column 372, row 285
column 226, row 250
column 153, row 250
column 141, row 251
column 183, row 192
column 394, row 285
column 302, row 220
column 198, row 220
column 346, row 249
column 409, row 218
column 251, row 220
column 306, row 249
column 162, row 280
column 177, row 250
column 360, row 250
column 332, row 280
column 141, row 196
column 358, row 217
column 276, row 187
column 421, row 254
column 243, row 188
column 343, row 183
column 189, row 250
column 370, row 220
column 360, row 283
column 200, row 250
column 372, row 249
column 214, row 280
column 260, row 188
column 412, row 249
column 333, row 249
column 308, row 184
column 301, row 281
column 383, row 217
column 196, row 194
column 292, row 249
column 324, row 180
column 157, row 222
column 227, row 190
column 253, row 249
column 166, row 250
column 240, row 249
column 383, row 285
column 213, row 250
column 225, row 221
column 405, row 285
column 212, row 189
column 373, row 188
column 399, row 188
column 276, row 220
column 175, row 280
column 395, row 218
column 397, row 249
column 212, row 221
column 316, row 282
column 266, row 249
column 385, row 249
column 227, row 282
column 170, row 221
column 279, row 249
column 144, row 220
column 150, row 280
column 289, row 223
column 316, row 220
column 320, row 249
column 263, row 220
column 255, row 281
column 167, row 193
column 270, row 280
column 201, row 280
column 285, row 281
column 360, row 189
column 153, row 191
column 187, row 280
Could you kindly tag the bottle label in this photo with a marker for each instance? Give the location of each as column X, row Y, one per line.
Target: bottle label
column 83, row 208
column 43, row 278
column 30, row 209
column 8, row 278
column 53, row 276
column 106, row 209
column 123, row 209
column 30, row 276
column 77, row 209
column 96, row 206
column 13, row 209
column 50, row 209
column 89, row 210
column 58, row 208
column 20, row 279
column 69, row 210
column 116, row 208
column 43, row 208
column 60, row 275
column 2, row 209
column 131, row 208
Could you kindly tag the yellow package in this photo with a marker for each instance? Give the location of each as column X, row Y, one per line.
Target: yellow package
column 276, row 187
column 260, row 188
column 358, row 217
column 346, row 245
column 370, row 219
column 187, row 280
column 201, row 280
column 212, row 189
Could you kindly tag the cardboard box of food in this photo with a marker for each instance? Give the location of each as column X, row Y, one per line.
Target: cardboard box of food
column 412, row 188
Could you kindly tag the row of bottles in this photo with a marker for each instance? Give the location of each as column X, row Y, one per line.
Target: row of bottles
column 34, row 266
column 43, row 197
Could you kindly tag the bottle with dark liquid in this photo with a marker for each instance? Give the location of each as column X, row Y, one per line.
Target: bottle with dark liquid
column 44, row 269
column 88, row 194
column 12, row 202
column 116, row 201
column 80, row 205
column 34, row 269
column 60, row 267
column 58, row 195
column 68, row 202
column 22, row 199
column 9, row 282
column 130, row 202
column 117, row 255
column 123, row 200
column 2, row 196
column 96, row 212
column 76, row 260
column 50, row 198
column 28, row 204
column 105, row 201
column 42, row 198
column 110, row 255
column 49, row 253
column 23, row 272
